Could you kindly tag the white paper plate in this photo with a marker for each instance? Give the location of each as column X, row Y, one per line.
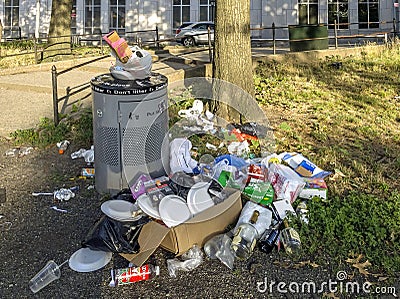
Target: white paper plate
column 87, row 260
column 144, row 203
column 120, row 210
column 198, row 198
column 174, row 210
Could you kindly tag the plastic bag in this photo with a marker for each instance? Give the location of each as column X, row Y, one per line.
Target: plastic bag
column 219, row 247
column 114, row 236
column 180, row 159
column 286, row 182
column 191, row 259
column 303, row 166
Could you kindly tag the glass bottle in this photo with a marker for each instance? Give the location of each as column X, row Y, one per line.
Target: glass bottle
column 289, row 238
column 245, row 238
column 268, row 239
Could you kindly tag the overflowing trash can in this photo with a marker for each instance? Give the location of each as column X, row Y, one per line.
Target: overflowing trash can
column 130, row 122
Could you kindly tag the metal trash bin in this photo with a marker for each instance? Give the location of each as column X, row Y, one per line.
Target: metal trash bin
column 130, row 122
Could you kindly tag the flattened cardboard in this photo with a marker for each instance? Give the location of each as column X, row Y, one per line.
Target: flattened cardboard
column 203, row 226
column 196, row 230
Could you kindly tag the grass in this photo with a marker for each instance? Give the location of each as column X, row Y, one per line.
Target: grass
column 76, row 127
column 21, row 53
column 345, row 120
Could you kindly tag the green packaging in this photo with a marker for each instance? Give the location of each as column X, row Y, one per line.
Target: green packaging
column 259, row 192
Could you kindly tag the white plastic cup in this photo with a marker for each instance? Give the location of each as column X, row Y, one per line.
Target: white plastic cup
column 45, row 276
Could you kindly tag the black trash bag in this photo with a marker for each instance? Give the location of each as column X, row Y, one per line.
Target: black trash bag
column 124, row 194
column 217, row 192
column 114, row 236
column 251, row 128
column 180, row 183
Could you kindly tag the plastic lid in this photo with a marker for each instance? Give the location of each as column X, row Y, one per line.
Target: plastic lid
column 157, row 270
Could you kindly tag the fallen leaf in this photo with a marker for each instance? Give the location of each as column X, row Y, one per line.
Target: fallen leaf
column 356, row 260
column 301, row 264
column 285, row 265
column 382, row 278
column 330, row 295
column 361, row 267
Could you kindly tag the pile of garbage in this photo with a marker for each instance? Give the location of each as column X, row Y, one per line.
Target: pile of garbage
column 188, row 210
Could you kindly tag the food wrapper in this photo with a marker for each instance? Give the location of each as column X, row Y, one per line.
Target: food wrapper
column 260, row 192
column 119, row 46
column 314, row 188
column 303, row 166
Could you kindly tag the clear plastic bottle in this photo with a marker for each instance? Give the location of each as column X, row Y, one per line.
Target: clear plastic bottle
column 245, row 238
column 290, row 238
column 133, row 274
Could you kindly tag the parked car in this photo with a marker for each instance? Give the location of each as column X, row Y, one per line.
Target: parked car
column 192, row 34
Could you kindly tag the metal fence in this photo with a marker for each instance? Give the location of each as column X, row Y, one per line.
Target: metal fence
column 277, row 37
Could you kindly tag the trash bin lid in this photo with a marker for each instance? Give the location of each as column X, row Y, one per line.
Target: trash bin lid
column 107, row 84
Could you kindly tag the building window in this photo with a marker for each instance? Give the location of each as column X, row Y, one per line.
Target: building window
column 73, row 17
column 117, row 16
column 368, row 14
column 180, row 12
column 308, row 12
column 92, row 16
column 207, row 10
column 11, row 18
column 338, row 10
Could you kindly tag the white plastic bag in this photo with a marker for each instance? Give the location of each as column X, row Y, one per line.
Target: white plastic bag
column 191, row 259
column 137, row 67
column 287, row 183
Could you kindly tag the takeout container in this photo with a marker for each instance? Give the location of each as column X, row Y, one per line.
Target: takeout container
column 196, row 230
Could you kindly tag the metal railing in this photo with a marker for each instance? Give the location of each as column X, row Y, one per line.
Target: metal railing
column 384, row 35
column 70, row 91
column 151, row 38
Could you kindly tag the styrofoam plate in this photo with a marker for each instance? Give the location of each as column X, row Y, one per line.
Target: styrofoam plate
column 198, row 198
column 174, row 210
column 88, row 260
column 119, row 209
column 145, row 204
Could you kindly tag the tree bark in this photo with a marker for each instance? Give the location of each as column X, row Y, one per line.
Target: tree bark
column 60, row 28
column 232, row 60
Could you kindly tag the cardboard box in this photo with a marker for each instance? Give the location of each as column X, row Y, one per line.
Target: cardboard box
column 196, row 230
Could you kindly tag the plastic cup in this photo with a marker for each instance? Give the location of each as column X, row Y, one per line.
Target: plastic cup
column 45, row 276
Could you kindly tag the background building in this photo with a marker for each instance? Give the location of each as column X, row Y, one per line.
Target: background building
column 103, row 16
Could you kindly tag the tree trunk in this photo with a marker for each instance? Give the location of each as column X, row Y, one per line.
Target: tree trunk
column 232, row 60
column 60, row 28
